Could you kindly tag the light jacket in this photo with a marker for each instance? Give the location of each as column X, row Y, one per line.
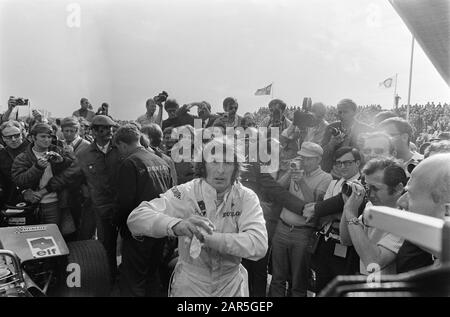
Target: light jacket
column 240, row 232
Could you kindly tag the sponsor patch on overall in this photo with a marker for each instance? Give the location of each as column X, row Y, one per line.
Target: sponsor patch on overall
column 201, row 205
column 233, row 212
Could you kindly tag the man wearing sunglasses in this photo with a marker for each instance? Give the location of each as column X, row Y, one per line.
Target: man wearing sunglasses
column 12, row 135
column 99, row 164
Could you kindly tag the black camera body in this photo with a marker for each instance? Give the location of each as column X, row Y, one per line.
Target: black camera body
column 335, row 131
column 51, row 156
column 347, row 190
column 412, row 165
column 161, row 97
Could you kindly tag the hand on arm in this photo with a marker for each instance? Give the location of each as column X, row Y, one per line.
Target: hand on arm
column 194, row 225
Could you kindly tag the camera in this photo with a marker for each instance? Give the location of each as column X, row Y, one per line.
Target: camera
column 335, row 132
column 161, row 97
column 412, row 165
column 346, row 189
column 20, row 101
column 51, row 156
column 295, row 164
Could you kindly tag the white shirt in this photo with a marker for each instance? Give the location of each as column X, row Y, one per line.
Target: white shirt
column 104, row 148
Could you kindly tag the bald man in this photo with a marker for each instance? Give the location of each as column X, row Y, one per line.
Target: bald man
column 428, row 193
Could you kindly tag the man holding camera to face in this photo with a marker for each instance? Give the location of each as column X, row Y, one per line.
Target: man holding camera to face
column 344, row 132
column 85, row 111
column 149, row 116
column 290, row 259
column 385, row 179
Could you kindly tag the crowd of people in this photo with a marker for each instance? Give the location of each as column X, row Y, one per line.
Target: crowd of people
column 225, row 226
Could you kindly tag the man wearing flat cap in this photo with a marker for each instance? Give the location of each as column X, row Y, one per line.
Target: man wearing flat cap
column 43, row 172
column 70, row 128
column 290, row 258
column 99, row 163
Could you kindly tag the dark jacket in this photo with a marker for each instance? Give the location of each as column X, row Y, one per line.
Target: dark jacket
column 100, row 174
column 350, row 140
column 411, row 257
column 142, row 176
column 7, row 156
column 173, row 172
column 26, row 174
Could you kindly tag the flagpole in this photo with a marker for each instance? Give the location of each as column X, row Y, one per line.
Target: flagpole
column 395, row 91
column 271, row 92
column 410, row 79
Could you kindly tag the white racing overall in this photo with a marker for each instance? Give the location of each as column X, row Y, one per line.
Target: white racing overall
column 240, row 232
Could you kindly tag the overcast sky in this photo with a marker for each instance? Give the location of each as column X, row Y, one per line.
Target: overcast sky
column 127, row 51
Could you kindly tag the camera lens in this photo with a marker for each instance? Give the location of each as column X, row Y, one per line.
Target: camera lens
column 346, row 189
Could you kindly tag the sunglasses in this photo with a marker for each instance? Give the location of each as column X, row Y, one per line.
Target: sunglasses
column 10, row 137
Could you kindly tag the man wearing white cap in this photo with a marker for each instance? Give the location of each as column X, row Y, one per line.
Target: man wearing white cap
column 290, row 258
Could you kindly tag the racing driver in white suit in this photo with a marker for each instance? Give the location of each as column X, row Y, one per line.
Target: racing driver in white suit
column 218, row 220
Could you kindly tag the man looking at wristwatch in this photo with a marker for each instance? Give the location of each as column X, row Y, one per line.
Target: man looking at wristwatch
column 385, row 179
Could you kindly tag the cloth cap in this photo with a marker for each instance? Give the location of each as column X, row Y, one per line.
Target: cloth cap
column 310, row 149
column 41, row 128
column 70, row 122
column 102, row 120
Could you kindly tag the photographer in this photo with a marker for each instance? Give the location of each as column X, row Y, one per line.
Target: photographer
column 12, row 103
column 171, row 106
column 317, row 132
column 290, row 258
column 329, row 257
column 344, row 132
column 385, row 180
column 42, row 172
column 85, row 111
column 277, row 108
column 178, row 116
column 103, row 109
column 149, row 116
column 293, row 136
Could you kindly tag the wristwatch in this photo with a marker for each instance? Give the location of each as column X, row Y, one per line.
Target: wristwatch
column 355, row 221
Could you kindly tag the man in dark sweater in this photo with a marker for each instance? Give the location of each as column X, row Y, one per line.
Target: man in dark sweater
column 143, row 176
